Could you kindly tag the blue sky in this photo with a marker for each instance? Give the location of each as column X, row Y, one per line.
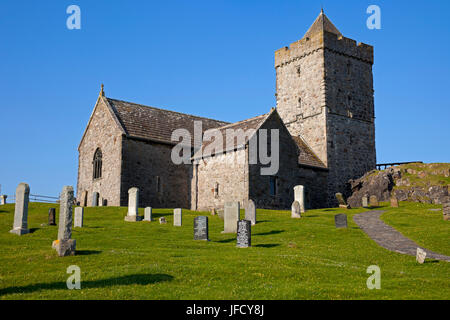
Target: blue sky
column 209, row 58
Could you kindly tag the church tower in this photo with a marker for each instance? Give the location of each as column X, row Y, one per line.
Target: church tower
column 325, row 95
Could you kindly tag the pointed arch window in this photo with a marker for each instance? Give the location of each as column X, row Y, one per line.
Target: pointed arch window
column 97, row 164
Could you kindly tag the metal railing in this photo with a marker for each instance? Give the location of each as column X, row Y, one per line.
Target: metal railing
column 35, row 198
column 387, row 165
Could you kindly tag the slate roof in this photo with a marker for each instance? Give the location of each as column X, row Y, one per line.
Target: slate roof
column 156, row 124
column 307, row 157
column 322, row 23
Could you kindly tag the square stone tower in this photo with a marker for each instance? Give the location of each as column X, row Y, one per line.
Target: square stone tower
column 325, row 95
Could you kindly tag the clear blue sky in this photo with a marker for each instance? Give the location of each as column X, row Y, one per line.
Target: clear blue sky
column 210, row 58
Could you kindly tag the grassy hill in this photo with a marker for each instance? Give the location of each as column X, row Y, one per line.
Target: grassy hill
column 306, row 258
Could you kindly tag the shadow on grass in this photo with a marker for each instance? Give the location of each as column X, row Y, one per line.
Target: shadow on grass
column 139, row 279
column 33, row 230
column 268, row 233
column 267, row 245
column 226, row 240
column 86, row 252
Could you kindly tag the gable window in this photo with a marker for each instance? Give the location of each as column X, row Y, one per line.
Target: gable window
column 97, row 164
column 273, row 185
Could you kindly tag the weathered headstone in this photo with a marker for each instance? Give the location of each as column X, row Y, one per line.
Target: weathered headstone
column 133, row 204
column 250, row 212
column 148, row 214
column 3, row 199
column 65, row 246
column 244, row 233
column 20, row 226
column 162, row 220
column 79, row 215
column 340, row 220
column 341, row 200
column 420, row 255
column 83, row 200
column 446, row 211
column 177, row 217
column 299, row 195
column 95, row 197
column 365, row 201
column 373, row 201
column 52, row 217
column 201, row 228
column 230, row 217
column 394, row 202
column 295, row 210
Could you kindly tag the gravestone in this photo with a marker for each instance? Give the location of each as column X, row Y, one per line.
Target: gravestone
column 79, row 215
column 373, row 201
column 420, row 255
column 446, row 211
column 83, row 201
column 162, row 220
column 52, row 217
column 148, row 214
column 244, row 234
column 64, row 245
column 299, row 195
column 230, row 217
column 365, row 201
column 250, row 212
column 20, row 226
column 105, row 203
column 3, row 199
column 177, row 217
column 95, row 197
column 133, row 204
column 341, row 200
column 295, row 210
column 340, row 220
column 394, row 202
column 201, row 228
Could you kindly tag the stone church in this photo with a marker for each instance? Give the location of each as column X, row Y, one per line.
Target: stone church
column 324, row 116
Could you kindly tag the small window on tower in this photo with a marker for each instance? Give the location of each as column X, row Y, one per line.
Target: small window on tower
column 299, row 70
column 299, row 103
column 349, row 68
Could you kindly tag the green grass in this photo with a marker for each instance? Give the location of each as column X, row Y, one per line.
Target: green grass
column 307, row 258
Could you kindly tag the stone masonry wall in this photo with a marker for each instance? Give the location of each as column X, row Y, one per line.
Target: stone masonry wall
column 143, row 162
column 103, row 133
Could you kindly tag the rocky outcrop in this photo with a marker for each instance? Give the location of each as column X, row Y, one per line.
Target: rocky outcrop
column 426, row 183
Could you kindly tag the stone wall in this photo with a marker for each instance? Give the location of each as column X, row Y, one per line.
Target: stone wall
column 146, row 162
column 102, row 132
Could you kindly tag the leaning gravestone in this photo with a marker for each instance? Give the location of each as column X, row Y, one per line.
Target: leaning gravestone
column 65, row 246
column 295, row 210
column 420, row 255
column 148, row 214
column 244, row 234
column 250, row 212
column 299, row 195
column 83, row 201
column 20, row 226
column 201, row 228
column 341, row 200
column 230, row 217
column 365, row 201
column 177, row 217
column 394, row 202
column 95, row 197
column 79, row 213
column 133, row 204
column 340, row 220
column 373, row 201
column 3, row 199
column 52, row 217
column 446, row 211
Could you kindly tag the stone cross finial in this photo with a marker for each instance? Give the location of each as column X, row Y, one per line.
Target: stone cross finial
column 102, row 91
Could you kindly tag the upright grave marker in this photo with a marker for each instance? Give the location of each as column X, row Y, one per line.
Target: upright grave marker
column 133, row 204
column 148, row 214
column 83, row 201
column 64, row 245
column 162, row 220
column 373, row 201
column 365, row 201
column 79, row 213
column 244, row 234
column 177, row 217
column 394, row 202
column 230, row 217
column 95, row 197
column 20, row 226
column 420, row 255
column 3, row 199
column 340, row 220
column 52, row 217
column 299, row 195
column 446, row 211
column 295, row 210
column 250, row 212
column 341, row 200
column 201, row 228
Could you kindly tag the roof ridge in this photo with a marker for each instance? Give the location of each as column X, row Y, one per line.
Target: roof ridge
column 167, row 110
column 242, row 121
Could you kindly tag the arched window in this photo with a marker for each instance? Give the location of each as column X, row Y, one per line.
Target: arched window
column 97, row 164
